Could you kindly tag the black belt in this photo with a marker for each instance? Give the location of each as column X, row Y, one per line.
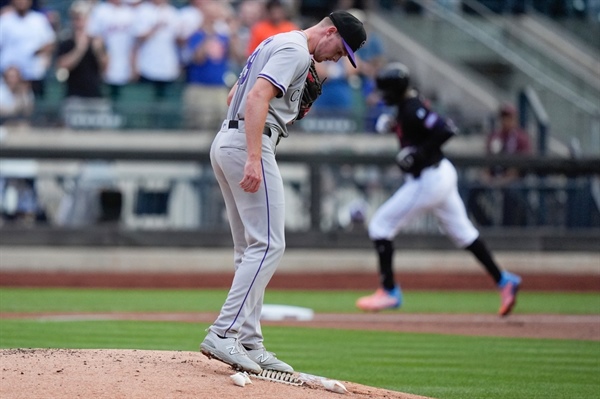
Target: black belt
column 233, row 124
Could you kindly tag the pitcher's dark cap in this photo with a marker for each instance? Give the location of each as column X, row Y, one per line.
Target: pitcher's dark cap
column 351, row 30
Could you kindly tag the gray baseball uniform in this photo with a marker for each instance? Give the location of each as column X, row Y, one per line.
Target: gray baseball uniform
column 257, row 219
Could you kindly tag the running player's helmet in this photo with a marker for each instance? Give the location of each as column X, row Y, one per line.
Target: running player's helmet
column 392, row 80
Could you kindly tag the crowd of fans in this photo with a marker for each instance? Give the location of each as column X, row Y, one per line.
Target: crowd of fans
column 106, row 46
column 199, row 47
column 99, row 49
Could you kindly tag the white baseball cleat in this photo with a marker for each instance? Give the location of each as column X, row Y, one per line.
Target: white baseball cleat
column 229, row 351
column 268, row 361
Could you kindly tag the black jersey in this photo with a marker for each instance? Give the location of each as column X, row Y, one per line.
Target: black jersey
column 420, row 127
column 85, row 79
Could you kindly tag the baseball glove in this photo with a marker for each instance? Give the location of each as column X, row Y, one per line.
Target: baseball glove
column 313, row 87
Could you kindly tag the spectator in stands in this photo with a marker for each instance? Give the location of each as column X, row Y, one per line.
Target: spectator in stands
column 190, row 18
column 249, row 13
column 80, row 63
column 112, row 23
column 509, row 139
column 16, row 98
column 156, row 52
column 371, row 59
column 206, row 57
column 192, row 15
column 276, row 20
column 4, row 6
column 340, row 83
column 81, row 58
column 27, row 42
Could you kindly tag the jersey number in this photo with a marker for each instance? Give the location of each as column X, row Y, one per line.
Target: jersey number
column 246, row 70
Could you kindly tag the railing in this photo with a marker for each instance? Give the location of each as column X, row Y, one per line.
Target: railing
column 176, row 191
column 543, row 67
column 572, row 105
column 529, row 101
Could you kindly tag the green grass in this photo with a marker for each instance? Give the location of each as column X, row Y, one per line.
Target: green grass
column 440, row 366
column 108, row 300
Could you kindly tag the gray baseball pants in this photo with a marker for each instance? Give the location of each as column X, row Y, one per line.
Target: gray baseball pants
column 257, row 227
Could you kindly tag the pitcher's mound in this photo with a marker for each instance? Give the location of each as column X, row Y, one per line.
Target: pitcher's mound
column 66, row 373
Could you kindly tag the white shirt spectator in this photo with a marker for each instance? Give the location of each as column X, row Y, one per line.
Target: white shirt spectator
column 21, row 38
column 191, row 19
column 15, row 104
column 113, row 23
column 157, row 57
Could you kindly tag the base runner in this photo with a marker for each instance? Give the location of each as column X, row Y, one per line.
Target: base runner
column 430, row 186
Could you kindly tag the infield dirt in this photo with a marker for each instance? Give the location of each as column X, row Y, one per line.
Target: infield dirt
column 133, row 374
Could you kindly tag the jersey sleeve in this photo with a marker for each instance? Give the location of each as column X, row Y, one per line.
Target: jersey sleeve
column 437, row 128
column 284, row 67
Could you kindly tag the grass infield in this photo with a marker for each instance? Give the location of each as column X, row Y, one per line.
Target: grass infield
column 440, row 366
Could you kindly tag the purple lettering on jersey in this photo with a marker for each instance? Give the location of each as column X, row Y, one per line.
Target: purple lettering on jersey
column 250, row 61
